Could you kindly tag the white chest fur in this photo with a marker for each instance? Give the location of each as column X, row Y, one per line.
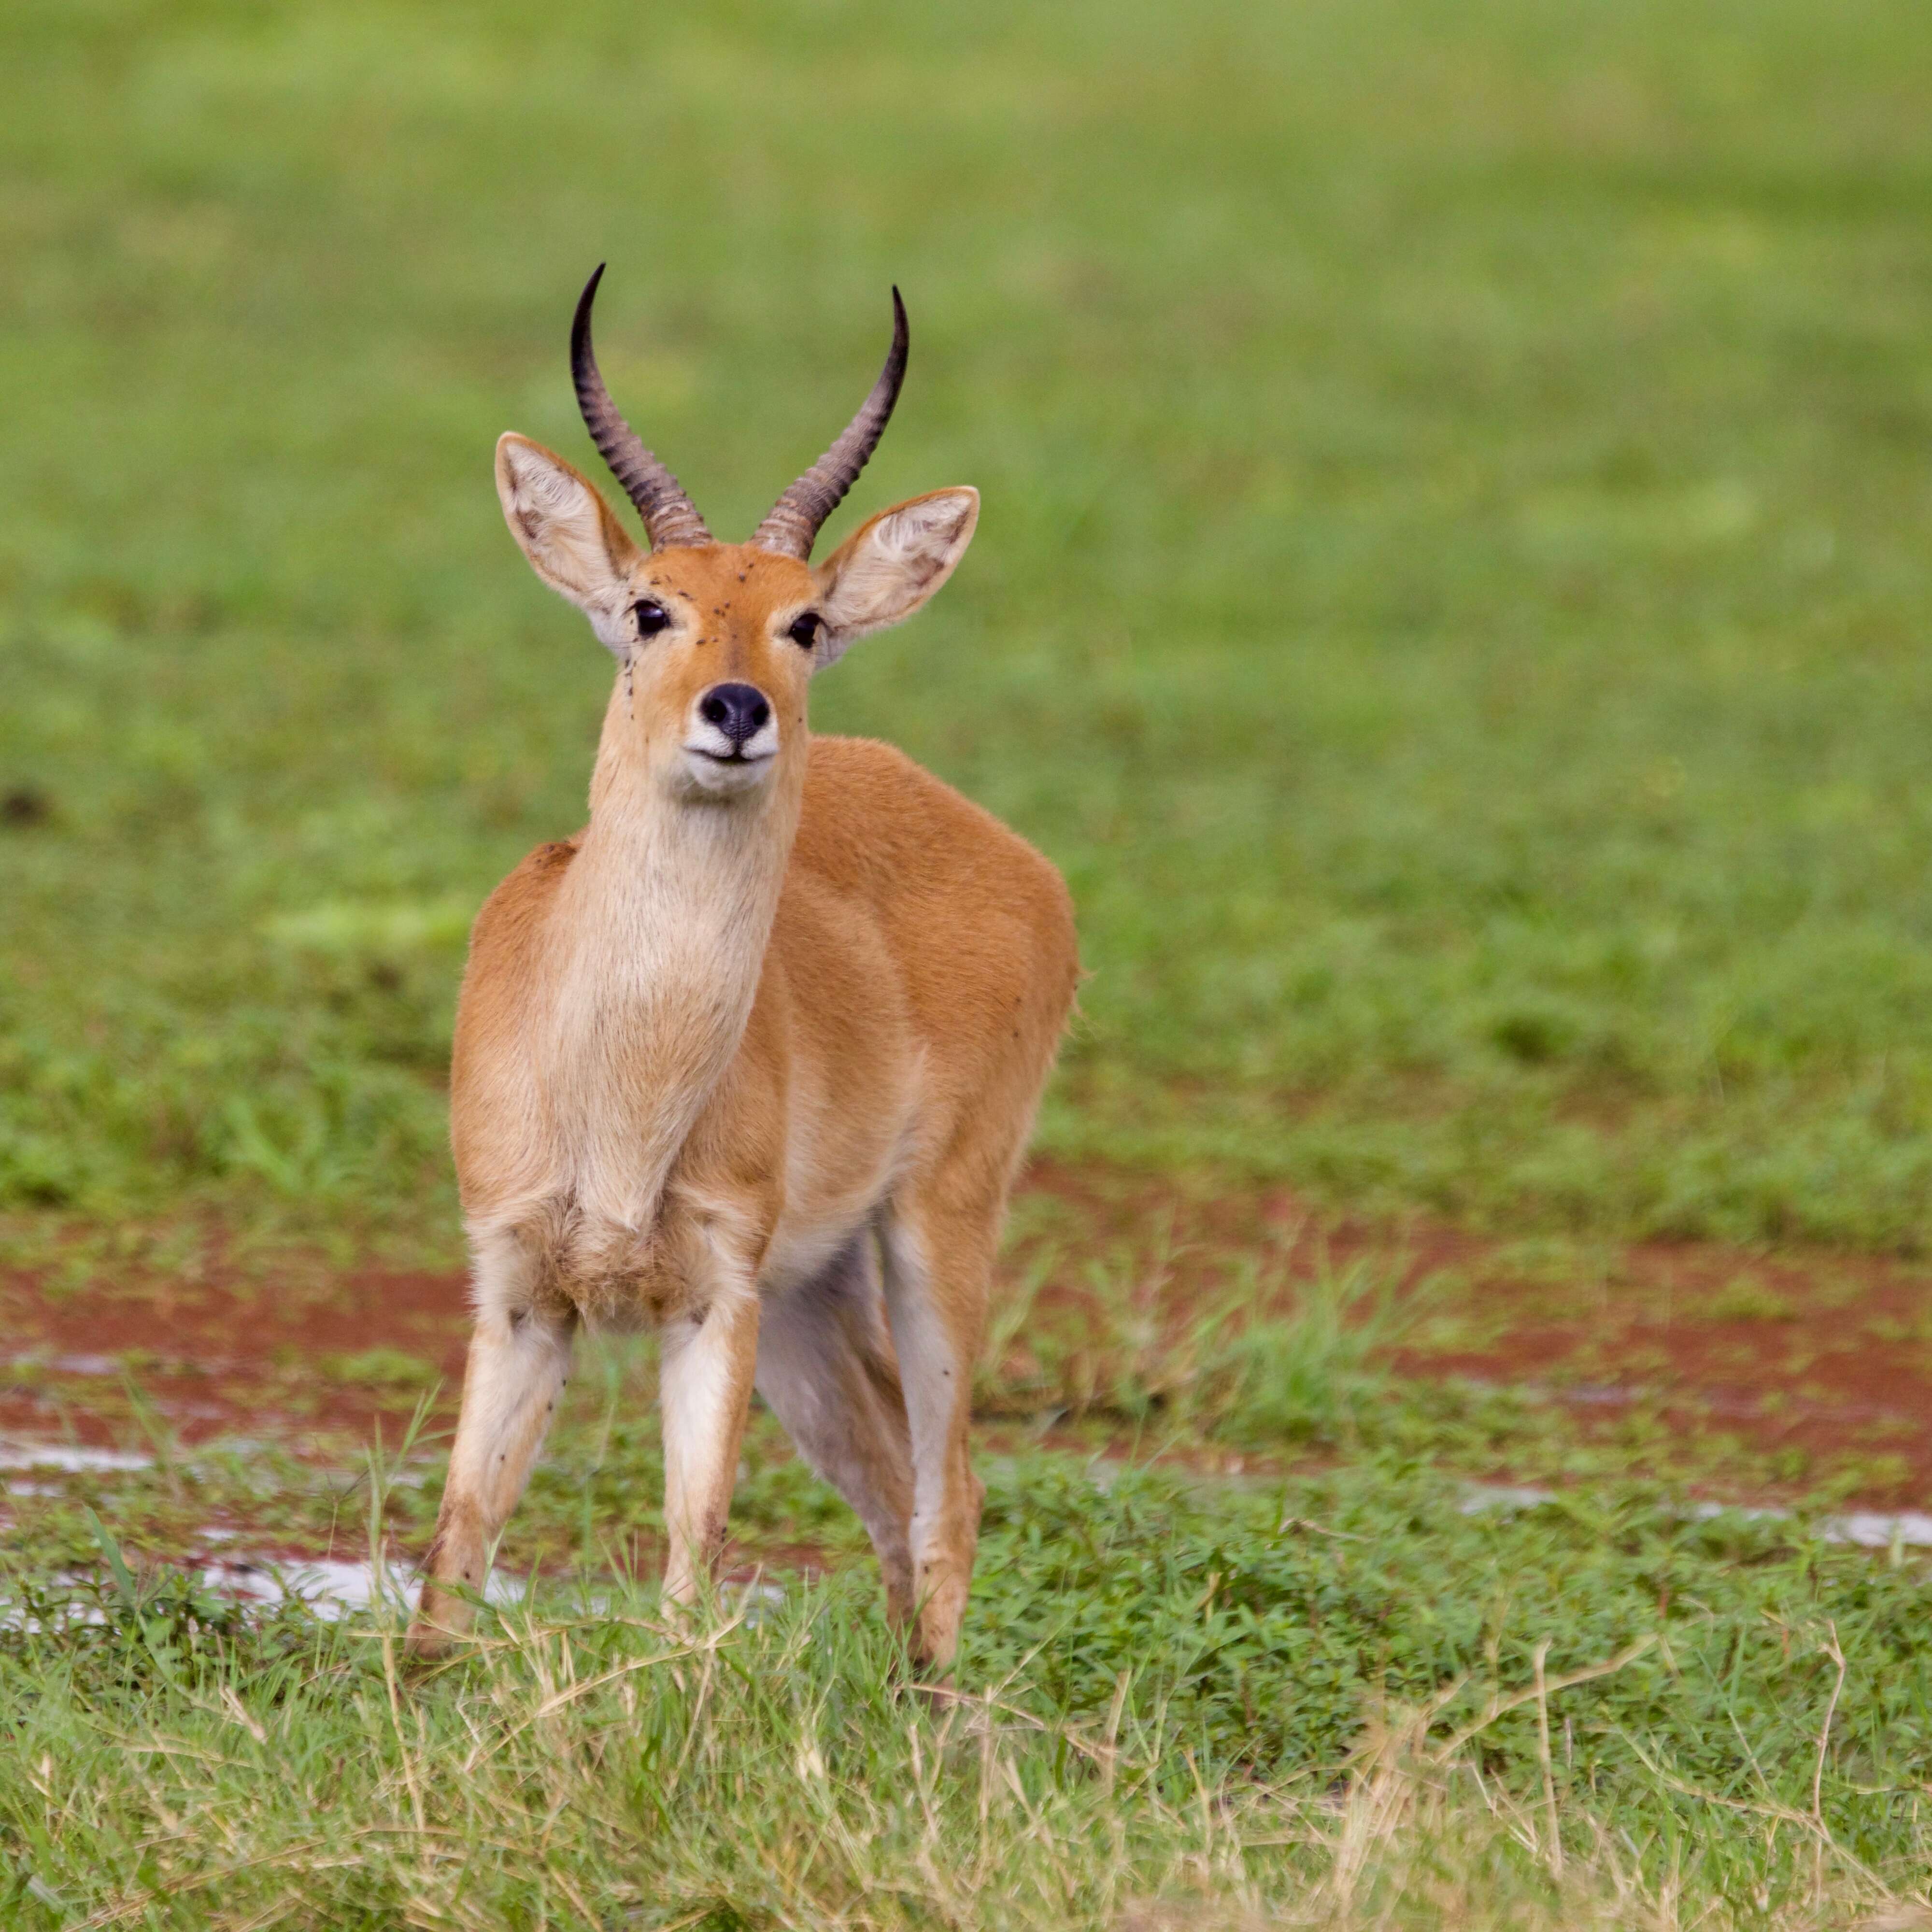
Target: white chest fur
column 654, row 944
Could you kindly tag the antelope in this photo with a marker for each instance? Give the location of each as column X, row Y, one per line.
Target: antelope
column 754, row 1056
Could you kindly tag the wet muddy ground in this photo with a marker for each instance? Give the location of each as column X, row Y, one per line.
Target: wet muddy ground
column 1807, row 1356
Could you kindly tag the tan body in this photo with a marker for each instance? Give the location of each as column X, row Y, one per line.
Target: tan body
column 754, row 1058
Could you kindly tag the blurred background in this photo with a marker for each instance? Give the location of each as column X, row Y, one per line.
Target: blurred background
column 1452, row 593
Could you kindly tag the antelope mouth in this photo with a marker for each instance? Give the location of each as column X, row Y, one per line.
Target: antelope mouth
column 715, row 774
column 731, row 757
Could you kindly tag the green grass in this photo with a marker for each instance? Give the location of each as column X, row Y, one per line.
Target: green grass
column 1451, row 595
column 1317, row 1702
column 1299, row 1394
column 1301, row 1692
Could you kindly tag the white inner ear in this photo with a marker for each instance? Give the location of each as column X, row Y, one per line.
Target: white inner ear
column 560, row 526
column 896, row 564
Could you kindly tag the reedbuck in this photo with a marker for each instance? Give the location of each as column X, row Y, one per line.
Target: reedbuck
column 754, row 1055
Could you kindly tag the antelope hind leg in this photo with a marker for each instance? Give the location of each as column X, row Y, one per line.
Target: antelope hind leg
column 938, row 1278
column 825, row 1367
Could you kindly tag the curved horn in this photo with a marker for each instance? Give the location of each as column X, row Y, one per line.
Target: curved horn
column 671, row 517
column 797, row 517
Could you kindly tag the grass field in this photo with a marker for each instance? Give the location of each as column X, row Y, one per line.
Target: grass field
column 1451, row 594
column 1339, row 1696
column 1451, row 597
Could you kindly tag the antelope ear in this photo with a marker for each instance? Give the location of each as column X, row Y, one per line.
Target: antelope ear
column 887, row 568
column 567, row 531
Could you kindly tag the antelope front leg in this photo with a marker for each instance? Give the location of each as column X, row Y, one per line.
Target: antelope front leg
column 519, row 1362
column 938, row 1278
column 704, row 1393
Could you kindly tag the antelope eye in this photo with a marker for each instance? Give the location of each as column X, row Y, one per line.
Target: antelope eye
column 652, row 617
column 804, row 630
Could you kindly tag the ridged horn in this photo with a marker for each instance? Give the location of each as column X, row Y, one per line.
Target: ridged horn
column 797, row 517
column 671, row 517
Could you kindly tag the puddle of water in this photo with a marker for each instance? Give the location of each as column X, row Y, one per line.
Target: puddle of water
column 1706, row 1512
column 67, row 1365
column 331, row 1588
column 14, row 1617
column 760, row 1600
column 75, row 1458
column 1481, row 1496
column 1871, row 1529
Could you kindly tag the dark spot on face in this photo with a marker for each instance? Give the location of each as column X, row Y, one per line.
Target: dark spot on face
column 24, row 806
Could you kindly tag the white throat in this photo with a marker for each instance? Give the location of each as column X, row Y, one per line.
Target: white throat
column 663, row 920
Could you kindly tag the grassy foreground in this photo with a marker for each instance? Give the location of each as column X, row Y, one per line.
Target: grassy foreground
column 1451, row 596
column 1338, row 1687
column 1337, row 1700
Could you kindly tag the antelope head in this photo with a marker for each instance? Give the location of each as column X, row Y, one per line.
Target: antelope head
column 717, row 642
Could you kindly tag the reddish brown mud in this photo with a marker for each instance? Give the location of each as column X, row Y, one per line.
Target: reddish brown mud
column 1803, row 1356
column 1811, row 1357
column 229, row 1352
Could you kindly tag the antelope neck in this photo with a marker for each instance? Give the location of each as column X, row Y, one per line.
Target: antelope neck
column 663, row 918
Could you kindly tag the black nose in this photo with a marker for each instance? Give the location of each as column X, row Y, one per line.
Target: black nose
column 738, row 710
